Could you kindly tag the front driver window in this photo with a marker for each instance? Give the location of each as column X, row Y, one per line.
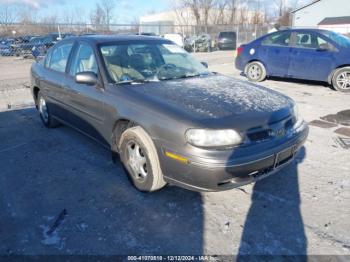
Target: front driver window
column 84, row 60
column 306, row 40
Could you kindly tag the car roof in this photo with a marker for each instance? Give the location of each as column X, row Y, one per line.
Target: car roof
column 100, row 39
column 304, row 29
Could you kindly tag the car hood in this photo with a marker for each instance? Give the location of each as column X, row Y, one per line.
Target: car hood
column 218, row 97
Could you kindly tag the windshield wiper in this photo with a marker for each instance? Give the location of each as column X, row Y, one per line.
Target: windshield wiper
column 184, row 76
column 133, row 82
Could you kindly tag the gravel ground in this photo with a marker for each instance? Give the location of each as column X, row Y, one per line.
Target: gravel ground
column 59, row 181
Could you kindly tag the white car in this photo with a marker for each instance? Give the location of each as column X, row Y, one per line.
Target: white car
column 176, row 38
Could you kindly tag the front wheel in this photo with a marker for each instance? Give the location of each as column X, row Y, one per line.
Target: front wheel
column 255, row 71
column 45, row 113
column 140, row 159
column 341, row 79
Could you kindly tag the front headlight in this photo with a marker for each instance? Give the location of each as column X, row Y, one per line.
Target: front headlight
column 213, row 138
column 296, row 113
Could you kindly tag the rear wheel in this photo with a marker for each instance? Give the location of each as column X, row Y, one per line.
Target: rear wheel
column 255, row 71
column 140, row 159
column 341, row 79
column 44, row 112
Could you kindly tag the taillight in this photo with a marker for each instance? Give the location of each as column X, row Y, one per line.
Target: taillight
column 239, row 50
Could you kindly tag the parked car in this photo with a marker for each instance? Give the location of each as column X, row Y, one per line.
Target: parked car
column 226, row 40
column 168, row 117
column 5, row 50
column 201, row 43
column 176, row 38
column 36, row 46
column 310, row 54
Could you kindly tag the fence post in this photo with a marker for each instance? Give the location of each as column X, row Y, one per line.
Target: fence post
column 194, row 44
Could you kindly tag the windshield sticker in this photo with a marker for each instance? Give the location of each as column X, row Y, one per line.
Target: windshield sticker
column 174, row 49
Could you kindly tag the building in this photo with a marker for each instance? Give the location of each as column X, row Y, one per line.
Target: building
column 337, row 24
column 182, row 20
column 322, row 13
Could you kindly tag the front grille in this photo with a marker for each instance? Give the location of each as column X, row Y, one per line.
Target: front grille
column 259, row 135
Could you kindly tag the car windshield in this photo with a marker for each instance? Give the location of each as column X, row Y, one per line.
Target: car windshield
column 227, row 35
column 339, row 39
column 143, row 62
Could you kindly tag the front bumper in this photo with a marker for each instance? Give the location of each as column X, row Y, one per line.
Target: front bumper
column 258, row 163
column 239, row 63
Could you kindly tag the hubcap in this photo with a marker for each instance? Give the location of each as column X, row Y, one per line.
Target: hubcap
column 137, row 161
column 343, row 80
column 254, row 72
column 43, row 110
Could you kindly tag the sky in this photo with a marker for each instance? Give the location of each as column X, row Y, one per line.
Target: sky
column 126, row 11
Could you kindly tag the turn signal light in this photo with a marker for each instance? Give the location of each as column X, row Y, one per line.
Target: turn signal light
column 177, row 157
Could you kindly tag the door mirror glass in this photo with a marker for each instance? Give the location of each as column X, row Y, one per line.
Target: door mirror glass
column 87, row 78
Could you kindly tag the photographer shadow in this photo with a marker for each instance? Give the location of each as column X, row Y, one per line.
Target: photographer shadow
column 274, row 225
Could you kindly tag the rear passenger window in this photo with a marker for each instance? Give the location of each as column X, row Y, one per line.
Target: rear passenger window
column 306, row 40
column 58, row 58
column 278, row 39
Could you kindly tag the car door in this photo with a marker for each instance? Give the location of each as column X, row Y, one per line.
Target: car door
column 51, row 78
column 274, row 52
column 85, row 101
column 312, row 56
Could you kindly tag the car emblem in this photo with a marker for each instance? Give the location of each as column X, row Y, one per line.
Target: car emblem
column 278, row 132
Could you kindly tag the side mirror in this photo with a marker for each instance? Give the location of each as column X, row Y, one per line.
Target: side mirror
column 205, row 64
column 87, row 78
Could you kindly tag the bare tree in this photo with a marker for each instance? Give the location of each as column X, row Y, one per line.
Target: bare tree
column 8, row 13
column 220, row 15
column 285, row 18
column 108, row 7
column 68, row 16
column 233, row 5
column 206, row 6
column 194, row 5
column 98, row 17
column 281, row 7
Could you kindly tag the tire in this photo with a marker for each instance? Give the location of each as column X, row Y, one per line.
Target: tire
column 341, row 80
column 255, row 71
column 140, row 159
column 45, row 114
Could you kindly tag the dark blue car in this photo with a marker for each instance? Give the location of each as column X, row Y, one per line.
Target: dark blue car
column 310, row 54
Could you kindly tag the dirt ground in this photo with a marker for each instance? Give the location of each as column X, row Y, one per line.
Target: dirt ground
column 59, row 181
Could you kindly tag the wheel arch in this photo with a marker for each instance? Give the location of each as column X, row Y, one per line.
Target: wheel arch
column 119, row 127
column 330, row 76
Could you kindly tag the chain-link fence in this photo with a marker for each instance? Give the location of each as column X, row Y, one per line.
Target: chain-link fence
column 31, row 40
